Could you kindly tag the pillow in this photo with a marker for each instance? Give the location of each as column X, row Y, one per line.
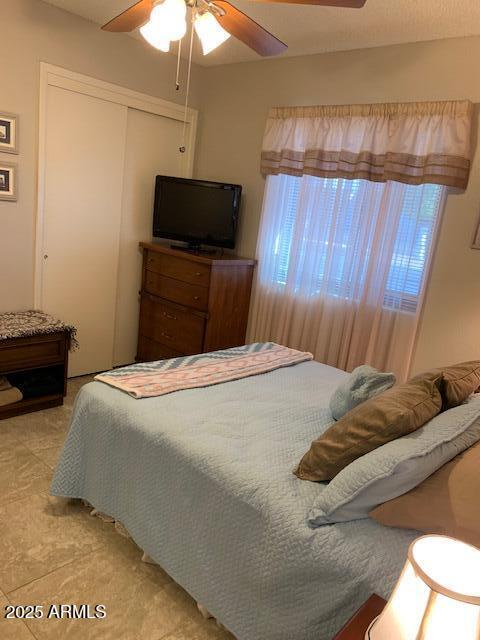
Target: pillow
column 445, row 503
column 392, row 414
column 397, row 466
column 459, row 381
column 363, row 383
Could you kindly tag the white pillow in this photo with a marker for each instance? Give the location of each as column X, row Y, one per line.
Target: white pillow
column 398, row 466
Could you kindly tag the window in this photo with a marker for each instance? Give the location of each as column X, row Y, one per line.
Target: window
column 327, row 235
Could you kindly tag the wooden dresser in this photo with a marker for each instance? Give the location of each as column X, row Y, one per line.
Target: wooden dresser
column 191, row 303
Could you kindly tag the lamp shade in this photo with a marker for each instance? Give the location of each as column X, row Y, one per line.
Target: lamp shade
column 211, row 34
column 437, row 596
column 168, row 18
column 155, row 37
column 167, row 22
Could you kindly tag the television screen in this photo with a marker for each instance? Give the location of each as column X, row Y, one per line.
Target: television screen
column 196, row 211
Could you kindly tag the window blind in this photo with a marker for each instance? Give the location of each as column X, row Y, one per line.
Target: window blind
column 331, row 233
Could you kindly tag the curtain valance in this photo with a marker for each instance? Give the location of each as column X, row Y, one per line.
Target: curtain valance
column 413, row 143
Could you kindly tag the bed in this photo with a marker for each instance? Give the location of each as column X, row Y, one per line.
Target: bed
column 202, row 480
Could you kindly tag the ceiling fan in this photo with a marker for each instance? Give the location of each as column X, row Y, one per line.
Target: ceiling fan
column 163, row 21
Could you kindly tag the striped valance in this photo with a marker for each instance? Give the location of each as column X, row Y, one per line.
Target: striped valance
column 413, row 143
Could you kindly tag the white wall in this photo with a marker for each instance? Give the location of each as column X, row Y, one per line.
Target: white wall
column 236, row 100
column 33, row 31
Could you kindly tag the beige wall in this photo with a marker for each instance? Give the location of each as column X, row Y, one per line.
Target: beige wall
column 33, row 31
column 234, row 102
column 235, row 106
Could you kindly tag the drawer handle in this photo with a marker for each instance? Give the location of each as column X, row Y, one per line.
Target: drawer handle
column 196, row 297
column 166, row 335
column 151, row 260
column 198, row 273
column 169, row 316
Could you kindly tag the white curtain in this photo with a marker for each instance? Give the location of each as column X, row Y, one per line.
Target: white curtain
column 352, row 203
column 342, row 266
column 412, row 142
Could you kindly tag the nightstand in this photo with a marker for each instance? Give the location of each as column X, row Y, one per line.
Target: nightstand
column 41, row 355
column 358, row 624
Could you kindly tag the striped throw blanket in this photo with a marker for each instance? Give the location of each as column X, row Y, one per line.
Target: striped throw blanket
column 145, row 380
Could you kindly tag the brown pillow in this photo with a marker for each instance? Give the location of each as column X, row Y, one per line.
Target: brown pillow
column 458, row 382
column 390, row 415
column 448, row 502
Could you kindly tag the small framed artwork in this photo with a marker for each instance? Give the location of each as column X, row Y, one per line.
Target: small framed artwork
column 8, row 181
column 8, row 133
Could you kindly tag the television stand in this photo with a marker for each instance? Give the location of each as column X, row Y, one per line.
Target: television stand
column 191, row 303
column 196, row 249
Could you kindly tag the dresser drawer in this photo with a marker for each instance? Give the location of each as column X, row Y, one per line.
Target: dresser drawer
column 179, row 268
column 28, row 353
column 150, row 350
column 190, row 295
column 171, row 325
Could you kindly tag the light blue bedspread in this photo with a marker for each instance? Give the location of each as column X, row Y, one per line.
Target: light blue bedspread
column 202, row 479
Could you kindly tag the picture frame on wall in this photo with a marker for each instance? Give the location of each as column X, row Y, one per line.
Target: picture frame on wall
column 8, row 181
column 8, row 133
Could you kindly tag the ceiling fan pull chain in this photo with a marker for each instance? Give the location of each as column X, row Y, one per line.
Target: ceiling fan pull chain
column 183, row 147
column 177, row 77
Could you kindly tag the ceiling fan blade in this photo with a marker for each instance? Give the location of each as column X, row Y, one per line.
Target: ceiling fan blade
column 346, row 4
column 132, row 18
column 238, row 24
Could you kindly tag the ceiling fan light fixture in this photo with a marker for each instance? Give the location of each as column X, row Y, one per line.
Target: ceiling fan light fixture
column 155, row 37
column 174, row 8
column 167, row 22
column 170, row 17
column 211, row 34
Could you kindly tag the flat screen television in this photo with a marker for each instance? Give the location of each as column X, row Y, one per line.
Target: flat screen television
column 196, row 211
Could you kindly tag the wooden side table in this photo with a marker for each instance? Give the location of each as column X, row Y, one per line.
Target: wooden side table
column 358, row 624
column 42, row 352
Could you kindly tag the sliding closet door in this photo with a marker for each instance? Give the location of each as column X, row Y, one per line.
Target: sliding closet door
column 84, row 164
column 152, row 145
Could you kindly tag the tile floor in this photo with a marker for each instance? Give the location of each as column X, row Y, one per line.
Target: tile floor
column 55, row 552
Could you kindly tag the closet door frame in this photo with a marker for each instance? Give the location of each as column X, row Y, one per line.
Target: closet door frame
column 51, row 75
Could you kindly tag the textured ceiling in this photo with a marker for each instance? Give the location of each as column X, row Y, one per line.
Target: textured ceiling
column 307, row 29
